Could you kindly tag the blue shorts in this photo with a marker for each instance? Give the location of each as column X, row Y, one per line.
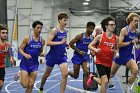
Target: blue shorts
column 138, row 54
column 52, row 60
column 27, row 66
column 78, row 59
column 122, row 60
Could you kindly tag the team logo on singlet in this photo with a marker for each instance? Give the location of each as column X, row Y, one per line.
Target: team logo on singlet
column 35, row 46
column 61, row 37
column 86, row 42
column 132, row 37
column 111, row 45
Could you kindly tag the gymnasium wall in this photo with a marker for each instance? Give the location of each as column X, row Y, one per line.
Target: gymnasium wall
column 31, row 10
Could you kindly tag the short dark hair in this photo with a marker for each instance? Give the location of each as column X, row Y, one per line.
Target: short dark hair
column 62, row 15
column 3, row 27
column 105, row 22
column 36, row 23
column 90, row 24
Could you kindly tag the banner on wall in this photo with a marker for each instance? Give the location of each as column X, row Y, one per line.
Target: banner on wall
column 15, row 39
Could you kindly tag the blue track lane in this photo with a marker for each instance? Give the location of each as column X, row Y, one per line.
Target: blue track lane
column 52, row 84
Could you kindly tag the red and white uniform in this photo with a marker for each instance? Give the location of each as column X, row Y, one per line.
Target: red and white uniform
column 3, row 51
column 107, row 46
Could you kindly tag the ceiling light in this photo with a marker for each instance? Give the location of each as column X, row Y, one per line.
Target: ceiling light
column 85, row 3
column 87, row 0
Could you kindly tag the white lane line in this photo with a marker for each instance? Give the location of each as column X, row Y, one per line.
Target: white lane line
column 8, row 91
column 78, row 90
column 119, row 83
column 50, row 77
column 51, row 87
column 6, row 87
column 54, row 85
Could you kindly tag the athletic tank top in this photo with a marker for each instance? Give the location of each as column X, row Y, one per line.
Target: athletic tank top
column 83, row 43
column 58, row 49
column 107, row 46
column 3, row 52
column 127, row 50
column 33, row 48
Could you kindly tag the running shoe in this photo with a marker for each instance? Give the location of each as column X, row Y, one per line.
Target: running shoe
column 39, row 91
column 128, row 89
column 111, row 87
column 90, row 80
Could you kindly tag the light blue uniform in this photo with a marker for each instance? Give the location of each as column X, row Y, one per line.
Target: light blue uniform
column 82, row 45
column 125, row 52
column 57, row 53
column 33, row 49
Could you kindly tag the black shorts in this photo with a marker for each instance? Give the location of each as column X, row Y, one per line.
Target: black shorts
column 103, row 70
column 2, row 73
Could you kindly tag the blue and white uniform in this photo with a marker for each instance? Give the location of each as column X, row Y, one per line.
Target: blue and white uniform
column 33, row 49
column 57, row 53
column 126, row 52
column 82, row 45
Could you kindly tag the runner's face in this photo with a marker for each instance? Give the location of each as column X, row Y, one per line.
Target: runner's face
column 3, row 34
column 90, row 29
column 111, row 26
column 134, row 22
column 63, row 22
column 38, row 29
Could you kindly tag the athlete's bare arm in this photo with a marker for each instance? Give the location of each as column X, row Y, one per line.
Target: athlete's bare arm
column 51, row 37
column 121, row 38
column 22, row 46
column 41, row 52
column 9, row 55
column 93, row 43
column 117, row 47
column 73, row 41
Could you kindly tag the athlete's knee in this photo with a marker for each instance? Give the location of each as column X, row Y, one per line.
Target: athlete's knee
column 104, row 82
column 1, row 83
column 31, row 84
column 65, row 75
column 24, row 84
column 135, row 71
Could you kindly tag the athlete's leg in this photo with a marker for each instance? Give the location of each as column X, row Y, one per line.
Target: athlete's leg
column 111, row 84
column 24, row 78
column 45, row 75
column 86, row 74
column 114, row 69
column 32, row 78
column 104, row 82
column 64, row 71
column 131, row 64
column 101, row 71
column 1, row 84
column 75, row 73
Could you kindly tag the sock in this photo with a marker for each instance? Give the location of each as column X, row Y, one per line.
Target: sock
column 41, row 89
